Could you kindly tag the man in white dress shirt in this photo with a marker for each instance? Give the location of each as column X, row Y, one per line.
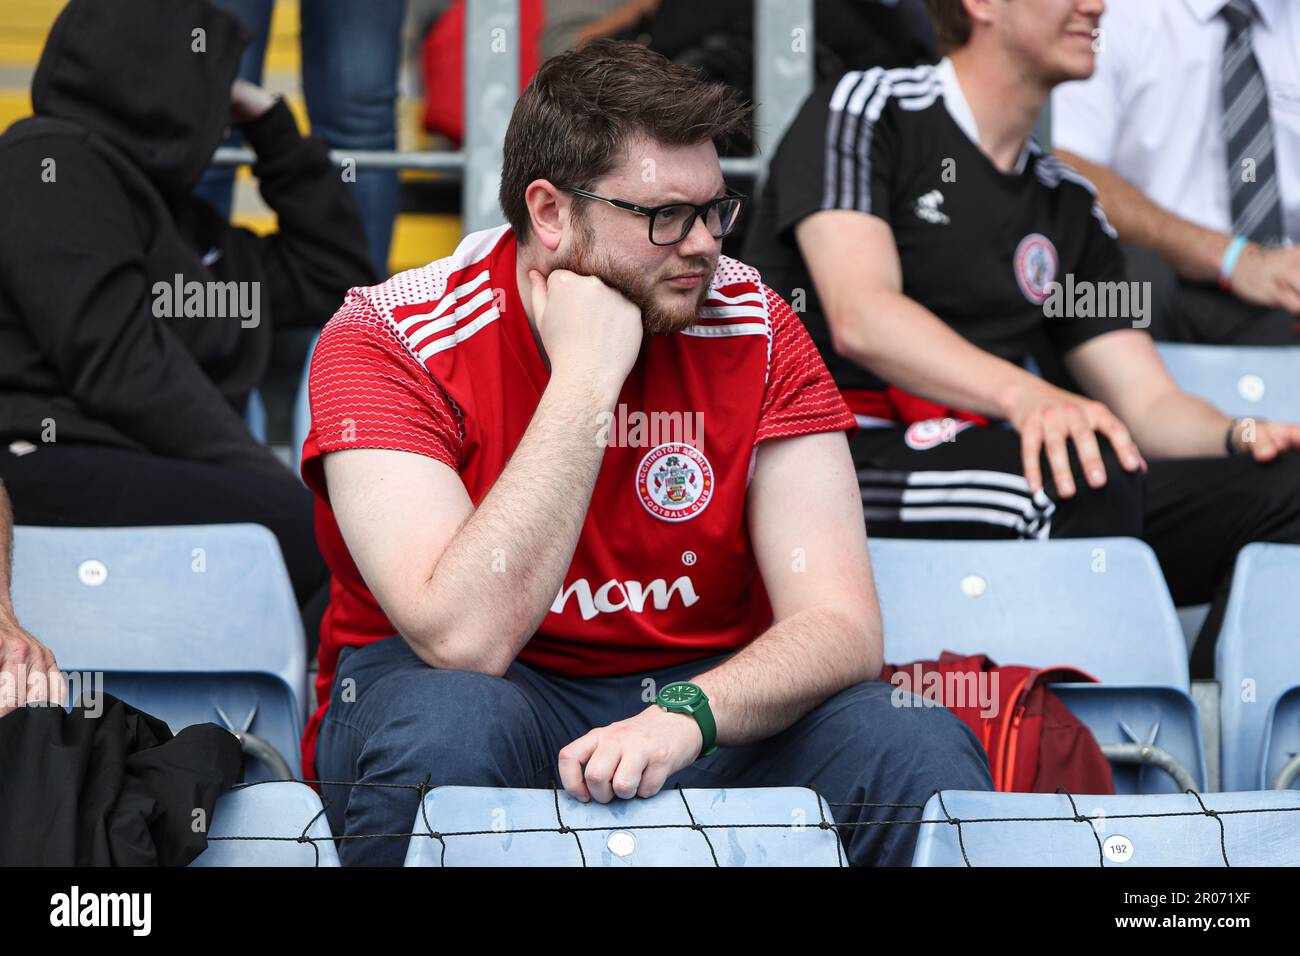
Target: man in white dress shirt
column 1190, row 129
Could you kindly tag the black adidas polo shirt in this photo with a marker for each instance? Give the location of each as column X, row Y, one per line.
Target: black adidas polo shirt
column 978, row 247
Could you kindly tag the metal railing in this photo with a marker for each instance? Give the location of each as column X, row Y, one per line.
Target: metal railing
column 783, row 77
column 1151, row 756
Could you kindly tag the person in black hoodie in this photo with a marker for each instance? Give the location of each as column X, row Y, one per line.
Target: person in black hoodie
column 117, row 408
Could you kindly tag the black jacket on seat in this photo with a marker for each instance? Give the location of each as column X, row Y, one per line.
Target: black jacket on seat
column 110, row 788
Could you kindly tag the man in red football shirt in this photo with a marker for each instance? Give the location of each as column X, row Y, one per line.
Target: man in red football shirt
column 585, row 492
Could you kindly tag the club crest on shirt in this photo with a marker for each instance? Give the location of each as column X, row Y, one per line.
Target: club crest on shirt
column 933, row 432
column 674, row 481
column 1036, row 264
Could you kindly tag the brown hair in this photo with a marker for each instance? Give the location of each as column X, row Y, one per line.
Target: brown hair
column 581, row 107
column 951, row 23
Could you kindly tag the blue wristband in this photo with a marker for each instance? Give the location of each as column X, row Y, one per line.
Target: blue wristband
column 1230, row 258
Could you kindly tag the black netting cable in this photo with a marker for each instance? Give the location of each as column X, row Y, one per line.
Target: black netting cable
column 695, row 826
column 424, row 815
column 555, row 792
column 423, row 789
column 1079, row 818
column 827, row 825
column 304, row 838
column 1223, row 841
column 961, row 843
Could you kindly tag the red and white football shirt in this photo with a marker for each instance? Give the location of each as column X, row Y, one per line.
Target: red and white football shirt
column 441, row 361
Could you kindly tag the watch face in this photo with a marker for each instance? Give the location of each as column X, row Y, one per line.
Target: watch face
column 679, row 694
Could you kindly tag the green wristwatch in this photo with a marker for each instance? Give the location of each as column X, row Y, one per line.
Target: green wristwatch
column 684, row 697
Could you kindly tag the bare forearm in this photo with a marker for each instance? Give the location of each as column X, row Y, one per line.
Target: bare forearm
column 908, row 346
column 1178, row 425
column 499, row 576
column 1194, row 251
column 787, row 671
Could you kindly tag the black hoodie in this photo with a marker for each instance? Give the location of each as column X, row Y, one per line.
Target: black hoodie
column 131, row 97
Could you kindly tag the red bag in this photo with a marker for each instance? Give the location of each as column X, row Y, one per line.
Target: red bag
column 443, row 60
column 1034, row 743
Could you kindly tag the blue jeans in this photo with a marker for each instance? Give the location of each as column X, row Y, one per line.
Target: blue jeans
column 393, row 720
column 350, row 53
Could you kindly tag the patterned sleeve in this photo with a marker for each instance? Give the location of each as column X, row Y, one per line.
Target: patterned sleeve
column 367, row 391
column 839, row 152
column 801, row 396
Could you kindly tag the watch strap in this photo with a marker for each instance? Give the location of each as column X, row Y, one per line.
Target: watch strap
column 703, row 715
column 1235, row 450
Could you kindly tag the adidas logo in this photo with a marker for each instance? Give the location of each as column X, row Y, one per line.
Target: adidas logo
column 927, row 208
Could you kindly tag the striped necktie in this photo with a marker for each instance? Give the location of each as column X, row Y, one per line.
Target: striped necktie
column 1248, row 132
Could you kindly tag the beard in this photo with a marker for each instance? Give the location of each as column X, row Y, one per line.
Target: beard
column 633, row 285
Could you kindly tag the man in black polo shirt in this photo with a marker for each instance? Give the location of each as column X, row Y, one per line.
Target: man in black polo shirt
column 931, row 247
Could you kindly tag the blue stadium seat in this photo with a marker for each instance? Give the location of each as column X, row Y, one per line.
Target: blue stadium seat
column 1098, row 604
column 1257, row 381
column 180, row 620
column 1258, row 663
column 1165, row 717
column 284, row 810
column 1192, row 618
column 484, row 826
column 302, row 410
column 1123, row 830
column 1281, row 745
column 255, row 415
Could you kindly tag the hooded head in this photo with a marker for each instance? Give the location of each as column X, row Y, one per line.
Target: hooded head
column 152, row 77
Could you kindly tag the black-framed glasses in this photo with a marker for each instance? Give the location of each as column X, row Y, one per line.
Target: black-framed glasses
column 670, row 223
